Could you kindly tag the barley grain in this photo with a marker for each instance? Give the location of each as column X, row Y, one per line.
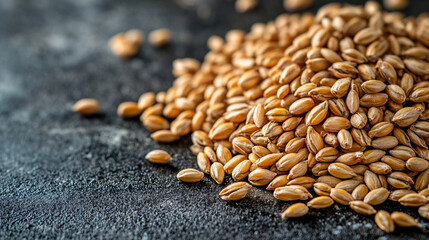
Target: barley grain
column 360, row 192
column 217, row 172
column 241, row 170
column 417, row 164
column 362, row 208
column 403, row 220
column 279, row 181
column 154, row 123
column 295, row 210
column 341, row 196
column 320, row 202
column 86, row 106
column 413, row 200
column 261, row 177
column 424, row 211
column 126, row 45
column 223, row 154
column 340, row 170
column 384, row 221
column 304, row 181
column 296, row 5
column 128, row 110
column 406, row 116
column 158, row 156
column 190, row 175
column 235, row 191
column 245, row 5
column 308, row 102
column 203, row 162
column 395, row 4
column 376, row 196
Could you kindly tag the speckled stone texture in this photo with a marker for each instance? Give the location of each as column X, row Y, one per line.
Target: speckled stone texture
column 64, row 176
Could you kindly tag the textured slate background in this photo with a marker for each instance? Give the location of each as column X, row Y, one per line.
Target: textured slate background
column 64, row 176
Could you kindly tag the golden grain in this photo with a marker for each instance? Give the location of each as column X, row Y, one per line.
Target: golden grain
column 154, row 123
column 245, row 5
column 384, row 221
column 424, row 211
column 86, row 106
column 217, row 172
column 190, row 175
column 203, row 162
column 362, row 208
column 158, row 156
column 126, row 45
column 261, row 177
column 335, row 102
column 320, row 202
column 340, row 170
column 291, row 193
column 295, row 210
column 279, row 181
column 376, row 196
column 241, row 170
column 403, row 220
column 360, row 192
column 128, row 110
column 235, row 191
column 340, row 196
column 413, row 200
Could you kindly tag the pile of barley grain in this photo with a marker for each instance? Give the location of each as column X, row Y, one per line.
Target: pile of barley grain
column 335, row 103
column 332, row 104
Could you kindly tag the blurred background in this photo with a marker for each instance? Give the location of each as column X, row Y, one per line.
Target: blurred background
column 71, row 36
column 64, row 176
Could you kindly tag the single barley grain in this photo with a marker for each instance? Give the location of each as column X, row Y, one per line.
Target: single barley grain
column 217, row 172
column 164, row 136
column 245, row 5
column 320, row 202
column 384, row 221
column 154, row 123
column 235, row 191
column 424, row 211
column 398, row 194
column 291, row 193
column 341, row 196
column 413, row 200
column 417, row 164
column 362, row 207
column 403, row 220
column 261, row 177
column 395, row 4
column 190, row 175
column 126, row 45
column 160, row 37
column 295, row 210
column 158, row 156
column 146, row 100
column 128, row 110
column 340, row 170
column 241, row 170
column 86, row 106
column 376, row 196
column 279, row 181
column 360, row 192
column 203, row 162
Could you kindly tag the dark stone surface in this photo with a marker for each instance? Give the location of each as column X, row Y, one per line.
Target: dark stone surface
column 64, row 176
